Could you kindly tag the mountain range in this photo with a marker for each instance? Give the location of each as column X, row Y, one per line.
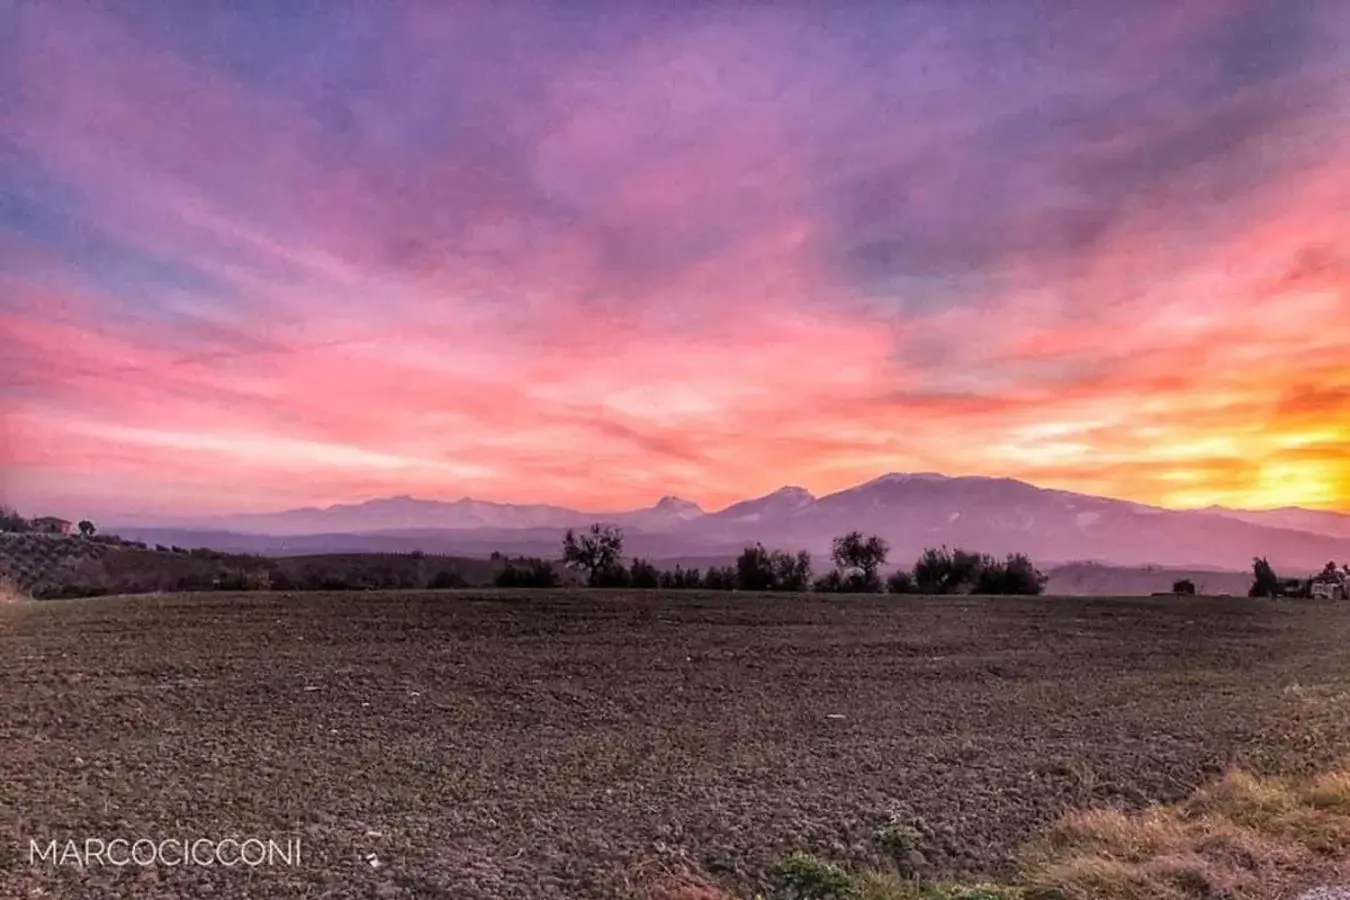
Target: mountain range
column 912, row 511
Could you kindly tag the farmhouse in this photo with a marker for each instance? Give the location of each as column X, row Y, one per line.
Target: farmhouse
column 1331, row 584
column 51, row 525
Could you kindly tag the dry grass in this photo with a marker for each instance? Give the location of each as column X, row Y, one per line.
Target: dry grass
column 10, row 593
column 1242, row 837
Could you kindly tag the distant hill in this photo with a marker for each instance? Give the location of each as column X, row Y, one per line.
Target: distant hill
column 912, row 511
column 466, row 514
column 47, row 566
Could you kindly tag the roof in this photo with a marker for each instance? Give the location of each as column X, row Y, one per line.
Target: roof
column 50, row 520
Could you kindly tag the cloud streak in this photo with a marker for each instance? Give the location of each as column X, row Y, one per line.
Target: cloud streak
column 256, row 259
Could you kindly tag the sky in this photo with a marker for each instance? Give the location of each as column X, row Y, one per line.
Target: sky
column 259, row 255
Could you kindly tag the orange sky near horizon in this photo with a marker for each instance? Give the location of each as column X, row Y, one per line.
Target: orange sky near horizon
column 254, row 262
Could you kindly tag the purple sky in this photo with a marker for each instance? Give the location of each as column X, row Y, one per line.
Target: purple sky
column 260, row 254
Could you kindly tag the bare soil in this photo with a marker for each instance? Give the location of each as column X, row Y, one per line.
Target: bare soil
column 574, row 745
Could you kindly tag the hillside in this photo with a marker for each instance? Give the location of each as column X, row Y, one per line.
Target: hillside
column 48, row 566
column 1095, row 580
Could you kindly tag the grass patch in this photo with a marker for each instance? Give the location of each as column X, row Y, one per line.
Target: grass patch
column 801, row 876
column 805, row 877
column 1241, row 837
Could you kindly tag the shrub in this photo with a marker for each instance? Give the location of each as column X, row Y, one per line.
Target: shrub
column 680, row 579
column 829, row 583
column 754, row 571
column 792, row 572
column 943, row 571
column 1014, row 575
column 759, row 569
column 10, row 520
column 901, row 582
column 1265, row 583
column 720, row 579
column 243, row 580
column 643, row 575
column 615, row 576
column 527, row 573
column 806, row 877
column 898, row 838
column 1183, row 586
column 444, row 581
column 837, row 582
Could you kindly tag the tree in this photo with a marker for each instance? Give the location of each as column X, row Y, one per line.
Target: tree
column 720, row 578
column 855, row 555
column 1265, row 583
column 10, row 520
column 754, row 570
column 1013, row 575
column 934, row 571
column 87, row 528
column 527, row 573
column 1184, row 586
column 643, row 575
column 791, row 572
column 679, row 579
column 758, row 569
column 597, row 552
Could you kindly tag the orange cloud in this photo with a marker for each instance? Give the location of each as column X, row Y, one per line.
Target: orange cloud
column 739, row 252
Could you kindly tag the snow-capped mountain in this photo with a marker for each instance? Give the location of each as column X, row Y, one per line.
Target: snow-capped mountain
column 668, row 513
column 784, row 502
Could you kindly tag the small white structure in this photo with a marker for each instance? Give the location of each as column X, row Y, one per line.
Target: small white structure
column 51, row 525
column 1331, row 584
column 1327, row 590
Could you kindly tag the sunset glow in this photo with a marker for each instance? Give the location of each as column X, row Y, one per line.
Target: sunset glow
column 256, row 259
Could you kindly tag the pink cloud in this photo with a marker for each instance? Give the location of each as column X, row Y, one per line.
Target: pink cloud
column 655, row 290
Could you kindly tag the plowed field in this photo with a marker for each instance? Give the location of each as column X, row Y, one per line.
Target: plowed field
column 574, row 745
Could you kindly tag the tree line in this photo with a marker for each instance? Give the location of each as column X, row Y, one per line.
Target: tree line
column 1266, row 583
column 595, row 556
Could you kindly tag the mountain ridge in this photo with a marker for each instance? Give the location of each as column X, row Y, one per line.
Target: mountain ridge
column 911, row 510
